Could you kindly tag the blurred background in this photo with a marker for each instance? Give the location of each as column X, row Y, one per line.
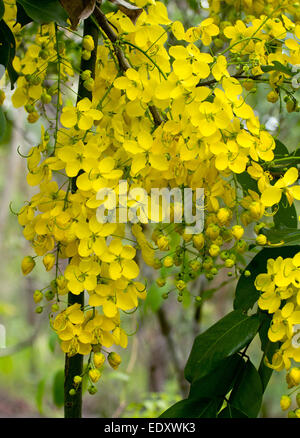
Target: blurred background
column 150, row 378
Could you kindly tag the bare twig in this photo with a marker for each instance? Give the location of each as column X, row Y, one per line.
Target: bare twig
column 166, row 330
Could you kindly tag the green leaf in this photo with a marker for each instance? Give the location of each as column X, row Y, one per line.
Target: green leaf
column 246, row 395
column 194, row 4
column 231, row 412
column 204, row 408
column 2, row 124
column 154, row 297
column 2, row 9
column 223, row 339
column 283, row 236
column 245, row 180
column 277, row 66
column 22, row 17
column 220, row 381
column 286, row 215
column 246, row 294
column 52, row 341
column 267, row 347
column 280, row 151
column 7, row 51
column 40, row 395
column 58, row 388
column 45, row 11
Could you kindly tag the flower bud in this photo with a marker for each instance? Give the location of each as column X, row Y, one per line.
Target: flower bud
column 86, row 55
column 33, row 117
column 241, row 246
column 94, row 375
column 195, row 265
column 37, row 296
column 28, row 264
column 237, row 231
column 49, row 261
column 49, row 295
column 92, row 390
column 212, row 231
column 198, row 241
column 168, row 262
column 88, row 43
column 180, row 285
column 114, row 360
column 77, row 380
column 160, row 282
column 89, row 84
column 248, row 84
column 55, row 307
column 293, row 377
column 229, row 263
column 163, row 243
column 261, row 239
column 223, row 215
column 99, row 359
column 273, row 96
column 214, row 250
column 86, row 74
column 285, row 402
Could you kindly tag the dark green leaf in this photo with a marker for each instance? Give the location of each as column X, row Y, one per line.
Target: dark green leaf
column 246, row 294
column 246, row 182
column 246, row 395
column 7, row 51
column 280, row 150
column 286, row 215
column 231, row 412
column 22, row 17
column 2, row 9
column 220, row 381
column 204, row 408
column 58, row 388
column 267, row 347
column 194, row 4
column 2, row 124
column 283, row 236
column 45, row 11
column 223, row 339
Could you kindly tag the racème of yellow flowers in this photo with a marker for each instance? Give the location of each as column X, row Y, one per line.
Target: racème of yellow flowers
column 209, row 135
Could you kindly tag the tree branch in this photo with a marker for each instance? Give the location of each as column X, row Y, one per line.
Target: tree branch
column 123, row 62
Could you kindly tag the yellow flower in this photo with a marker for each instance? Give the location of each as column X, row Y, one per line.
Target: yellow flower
column 120, row 260
column 82, row 276
column 272, row 194
column 282, row 322
column 83, row 115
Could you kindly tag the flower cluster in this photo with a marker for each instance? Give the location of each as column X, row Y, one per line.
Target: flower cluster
column 163, row 117
column 280, row 297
